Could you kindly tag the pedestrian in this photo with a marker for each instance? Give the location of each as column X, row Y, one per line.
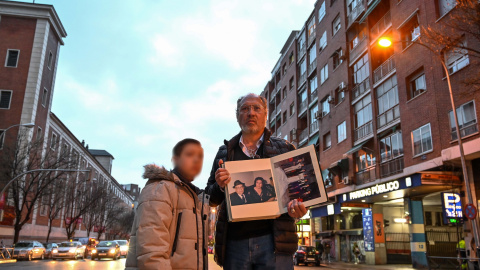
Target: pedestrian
column 327, row 248
column 258, row 244
column 320, row 248
column 356, row 252
column 169, row 231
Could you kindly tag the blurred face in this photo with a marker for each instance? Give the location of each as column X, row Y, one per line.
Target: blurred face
column 190, row 161
column 239, row 190
column 252, row 115
column 258, row 183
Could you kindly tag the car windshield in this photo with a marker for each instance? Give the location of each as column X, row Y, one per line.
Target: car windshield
column 22, row 245
column 307, row 249
column 122, row 242
column 68, row 244
column 106, row 244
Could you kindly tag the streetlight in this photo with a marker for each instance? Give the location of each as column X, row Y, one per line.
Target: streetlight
column 28, row 125
column 387, row 42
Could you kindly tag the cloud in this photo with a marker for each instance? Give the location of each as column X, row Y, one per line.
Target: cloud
column 165, row 52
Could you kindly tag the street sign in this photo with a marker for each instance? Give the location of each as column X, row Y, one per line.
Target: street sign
column 470, row 211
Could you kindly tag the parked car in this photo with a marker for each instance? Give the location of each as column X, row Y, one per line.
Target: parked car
column 106, row 249
column 123, row 247
column 306, row 255
column 69, row 250
column 49, row 248
column 28, row 250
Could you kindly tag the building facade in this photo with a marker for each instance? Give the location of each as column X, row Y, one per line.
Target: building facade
column 382, row 123
column 30, row 39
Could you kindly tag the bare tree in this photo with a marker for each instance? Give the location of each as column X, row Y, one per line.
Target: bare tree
column 53, row 202
column 25, row 155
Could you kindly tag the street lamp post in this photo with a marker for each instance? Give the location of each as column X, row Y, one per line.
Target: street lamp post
column 28, row 125
column 387, row 42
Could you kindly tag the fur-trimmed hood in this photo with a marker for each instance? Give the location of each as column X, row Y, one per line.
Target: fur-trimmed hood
column 155, row 172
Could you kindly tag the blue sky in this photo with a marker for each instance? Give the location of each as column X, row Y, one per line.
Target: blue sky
column 135, row 77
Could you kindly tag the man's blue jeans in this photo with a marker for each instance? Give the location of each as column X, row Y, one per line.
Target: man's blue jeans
column 255, row 253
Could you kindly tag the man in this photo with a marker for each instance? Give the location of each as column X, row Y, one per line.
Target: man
column 238, row 197
column 258, row 244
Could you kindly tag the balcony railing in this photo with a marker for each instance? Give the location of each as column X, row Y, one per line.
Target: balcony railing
column 272, row 96
column 273, row 114
column 311, row 38
column 365, row 176
column 302, row 106
column 363, row 131
column 302, row 51
column 380, row 26
column 313, row 96
column 313, row 127
column 465, row 131
column 361, row 88
column 355, row 51
column 384, row 69
column 391, row 167
column 302, row 78
column 356, row 11
column 312, row 66
column 303, row 136
column 389, row 116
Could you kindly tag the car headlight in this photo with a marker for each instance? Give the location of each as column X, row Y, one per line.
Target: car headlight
column 112, row 250
column 124, row 248
column 54, row 251
column 94, row 251
column 71, row 251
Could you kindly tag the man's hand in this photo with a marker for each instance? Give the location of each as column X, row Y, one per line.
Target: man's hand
column 296, row 209
column 222, row 176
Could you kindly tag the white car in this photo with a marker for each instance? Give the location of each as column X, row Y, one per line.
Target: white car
column 69, row 250
column 123, row 247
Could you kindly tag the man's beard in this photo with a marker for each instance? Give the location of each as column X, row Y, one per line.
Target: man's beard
column 250, row 129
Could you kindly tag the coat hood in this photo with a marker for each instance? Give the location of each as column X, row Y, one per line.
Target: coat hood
column 155, row 172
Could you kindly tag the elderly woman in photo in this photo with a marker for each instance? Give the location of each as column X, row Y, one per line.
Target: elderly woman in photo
column 260, row 192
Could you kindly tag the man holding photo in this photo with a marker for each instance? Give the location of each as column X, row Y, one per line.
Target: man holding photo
column 257, row 244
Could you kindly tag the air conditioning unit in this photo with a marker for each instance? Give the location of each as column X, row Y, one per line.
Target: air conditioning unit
column 346, row 180
column 342, row 86
column 331, row 100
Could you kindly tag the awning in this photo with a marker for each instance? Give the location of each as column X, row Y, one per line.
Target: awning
column 356, row 148
column 342, row 164
column 313, row 140
column 369, row 10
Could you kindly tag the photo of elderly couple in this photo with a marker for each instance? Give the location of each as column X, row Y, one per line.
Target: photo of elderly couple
column 252, row 188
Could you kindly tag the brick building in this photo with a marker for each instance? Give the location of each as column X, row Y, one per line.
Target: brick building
column 30, row 39
column 382, row 123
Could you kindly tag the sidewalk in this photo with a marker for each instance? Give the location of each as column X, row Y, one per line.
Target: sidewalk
column 343, row 265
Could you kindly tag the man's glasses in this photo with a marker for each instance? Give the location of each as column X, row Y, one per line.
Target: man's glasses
column 255, row 108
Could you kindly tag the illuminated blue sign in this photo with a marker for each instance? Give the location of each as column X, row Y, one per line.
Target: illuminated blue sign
column 451, row 205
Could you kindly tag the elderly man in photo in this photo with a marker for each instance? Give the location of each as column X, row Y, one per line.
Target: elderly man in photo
column 257, row 244
column 238, row 197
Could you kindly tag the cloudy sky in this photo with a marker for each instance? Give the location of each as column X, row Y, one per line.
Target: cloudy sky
column 135, row 77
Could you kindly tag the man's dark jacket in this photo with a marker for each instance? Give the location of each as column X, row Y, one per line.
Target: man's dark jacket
column 235, row 199
column 284, row 231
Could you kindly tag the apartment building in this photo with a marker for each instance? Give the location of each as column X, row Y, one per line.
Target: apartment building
column 382, row 124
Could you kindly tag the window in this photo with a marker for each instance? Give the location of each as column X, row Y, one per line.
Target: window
column 293, row 135
column 391, row 147
column 44, row 205
column 303, row 67
column 438, row 218
column 313, row 112
column 313, row 85
column 387, row 96
column 301, row 41
column 2, row 137
column 410, row 31
column 363, row 111
column 44, row 97
column 342, row 132
column 325, row 106
column 444, row 6
column 292, row 108
column 312, row 54
column 327, row 141
column 457, row 58
column 324, row 74
column 285, row 93
column 39, row 133
column 428, row 218
column 416, row 83
column 291, row 57
column 311, row 27
column 422, row 140
column 303, row 96
column 5, row 98
column 284, row 117
column 284, row 68
column 467, row 120
column 337, row 58
column 321, row 12
column 364, row 160
column 336, row 25
column 292, row 83
column 50, row 60
column 12, row 58
column 53, row 142
column 339, row 95
column 323, row 41
column 361, row 70
column 361, row 35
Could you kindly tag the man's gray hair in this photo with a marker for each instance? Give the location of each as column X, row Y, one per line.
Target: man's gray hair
column 241, row 99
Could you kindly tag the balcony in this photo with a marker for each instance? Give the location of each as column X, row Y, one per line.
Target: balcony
column 384, row 69
column 312, row 66
column 361, row 88
column 302, row 79
column 311, row 38
column 383, row 24
column 313, row 127
column 391, row 167
column 388, row 116
column 302, row 51
column 363, row 131
column 356, row 11
column 465, row 131
column 358, row 49
column 303, row 136
column 313, row 96
column 273, row 114
column 302, row 107
column 365, row 176
column 272, row 96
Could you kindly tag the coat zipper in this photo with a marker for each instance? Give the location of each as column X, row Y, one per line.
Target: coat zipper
column 175, row 240
column 196, row 217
